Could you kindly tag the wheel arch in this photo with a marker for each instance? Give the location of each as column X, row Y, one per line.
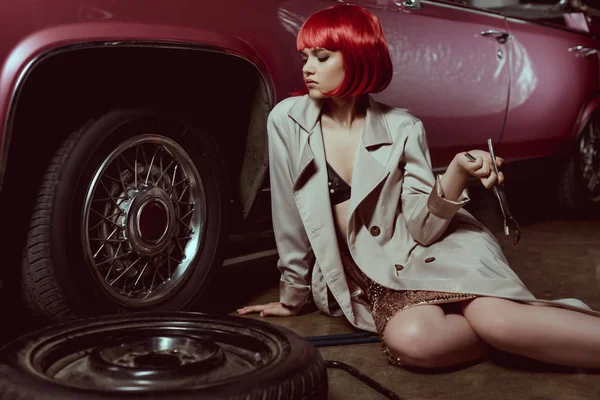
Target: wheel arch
column 55, row 68
column 586, row 113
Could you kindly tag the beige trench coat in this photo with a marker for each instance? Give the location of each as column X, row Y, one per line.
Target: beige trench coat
column 402, row 233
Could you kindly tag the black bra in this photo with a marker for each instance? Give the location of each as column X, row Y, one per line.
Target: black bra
column 339, row 190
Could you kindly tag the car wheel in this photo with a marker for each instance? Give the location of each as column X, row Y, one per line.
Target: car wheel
column 579, row 186
column 130, row 216
column 162, row 355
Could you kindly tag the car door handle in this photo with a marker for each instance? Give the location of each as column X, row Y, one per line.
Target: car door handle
column 499, row 35
column 582, row 51
column 412, row 4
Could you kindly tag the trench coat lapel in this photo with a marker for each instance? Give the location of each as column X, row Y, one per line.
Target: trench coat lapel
column 372, row 155
column 312, row 198
column 369, row 166
column 311, row 188
column 305, row 113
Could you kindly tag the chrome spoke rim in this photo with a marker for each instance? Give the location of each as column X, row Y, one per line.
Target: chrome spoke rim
column 143, row 220
column 589, row 152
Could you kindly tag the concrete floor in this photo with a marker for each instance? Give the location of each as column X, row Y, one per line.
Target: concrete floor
column 556, row 258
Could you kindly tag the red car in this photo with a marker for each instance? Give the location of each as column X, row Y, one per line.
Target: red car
column 133, row 143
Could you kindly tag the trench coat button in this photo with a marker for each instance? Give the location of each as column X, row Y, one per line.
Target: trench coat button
column 375, row 231
column 429, row 259
column 399, row 267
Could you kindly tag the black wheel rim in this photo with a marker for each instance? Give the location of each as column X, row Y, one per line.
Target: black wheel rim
column 150, row 354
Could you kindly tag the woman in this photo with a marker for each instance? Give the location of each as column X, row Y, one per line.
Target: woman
column 395, row 253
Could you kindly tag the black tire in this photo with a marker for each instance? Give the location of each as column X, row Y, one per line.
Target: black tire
column 575, row 197
column 59, row 279
column 188, row 355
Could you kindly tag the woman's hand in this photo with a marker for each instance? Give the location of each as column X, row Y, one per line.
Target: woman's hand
column 461, row 168
column 481, row 168
column 275, row 309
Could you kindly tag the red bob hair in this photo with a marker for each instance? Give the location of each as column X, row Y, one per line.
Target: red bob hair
column 358, row 35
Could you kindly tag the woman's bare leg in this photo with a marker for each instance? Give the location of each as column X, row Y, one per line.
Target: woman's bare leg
column 424, row 336
column 549, row 334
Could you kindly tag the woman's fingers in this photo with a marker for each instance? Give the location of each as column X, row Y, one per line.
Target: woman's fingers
column 484, row 170
column 472, row 165
column 276, row 311
column 500, row 178
column 489, row 181
column 255, row 308
column 250, row 309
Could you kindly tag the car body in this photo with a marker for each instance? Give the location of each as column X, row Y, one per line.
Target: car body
column 527, row 80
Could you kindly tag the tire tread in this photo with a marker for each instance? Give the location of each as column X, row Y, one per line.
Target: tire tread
column 49, row 290
column 39, row 286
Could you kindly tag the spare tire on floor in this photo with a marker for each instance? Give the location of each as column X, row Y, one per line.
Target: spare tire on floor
column 163, row 356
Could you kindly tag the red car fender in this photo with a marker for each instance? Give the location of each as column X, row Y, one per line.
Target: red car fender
column 33, row 48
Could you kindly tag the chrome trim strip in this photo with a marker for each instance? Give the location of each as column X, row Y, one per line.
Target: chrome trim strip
column 464, row 7
column 548, row 25
column 250, row 257
column 8, row 125
column 490, row 11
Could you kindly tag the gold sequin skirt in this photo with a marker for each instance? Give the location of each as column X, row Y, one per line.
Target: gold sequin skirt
column 384, row 303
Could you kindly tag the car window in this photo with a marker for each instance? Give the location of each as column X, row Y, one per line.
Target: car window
column 489, row 4
column 547, row 11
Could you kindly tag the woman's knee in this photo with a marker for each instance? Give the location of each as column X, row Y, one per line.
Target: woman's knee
column 492, row 319
column 412, row 338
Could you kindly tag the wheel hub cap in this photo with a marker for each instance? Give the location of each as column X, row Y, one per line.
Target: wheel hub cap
column 157, row 356
column 153, row 221
column 150, row 221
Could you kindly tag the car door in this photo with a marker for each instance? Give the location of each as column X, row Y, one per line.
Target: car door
column 554, row 73
column 450, row 70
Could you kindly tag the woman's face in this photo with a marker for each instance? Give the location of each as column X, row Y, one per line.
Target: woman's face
column 323, row 71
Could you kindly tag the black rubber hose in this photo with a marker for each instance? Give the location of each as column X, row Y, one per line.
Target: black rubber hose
column 352, row 338
column 365, row 379
column 343, row 339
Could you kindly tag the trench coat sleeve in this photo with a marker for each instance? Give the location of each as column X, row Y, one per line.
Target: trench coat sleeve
column 295, row 253
column 426, row 211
